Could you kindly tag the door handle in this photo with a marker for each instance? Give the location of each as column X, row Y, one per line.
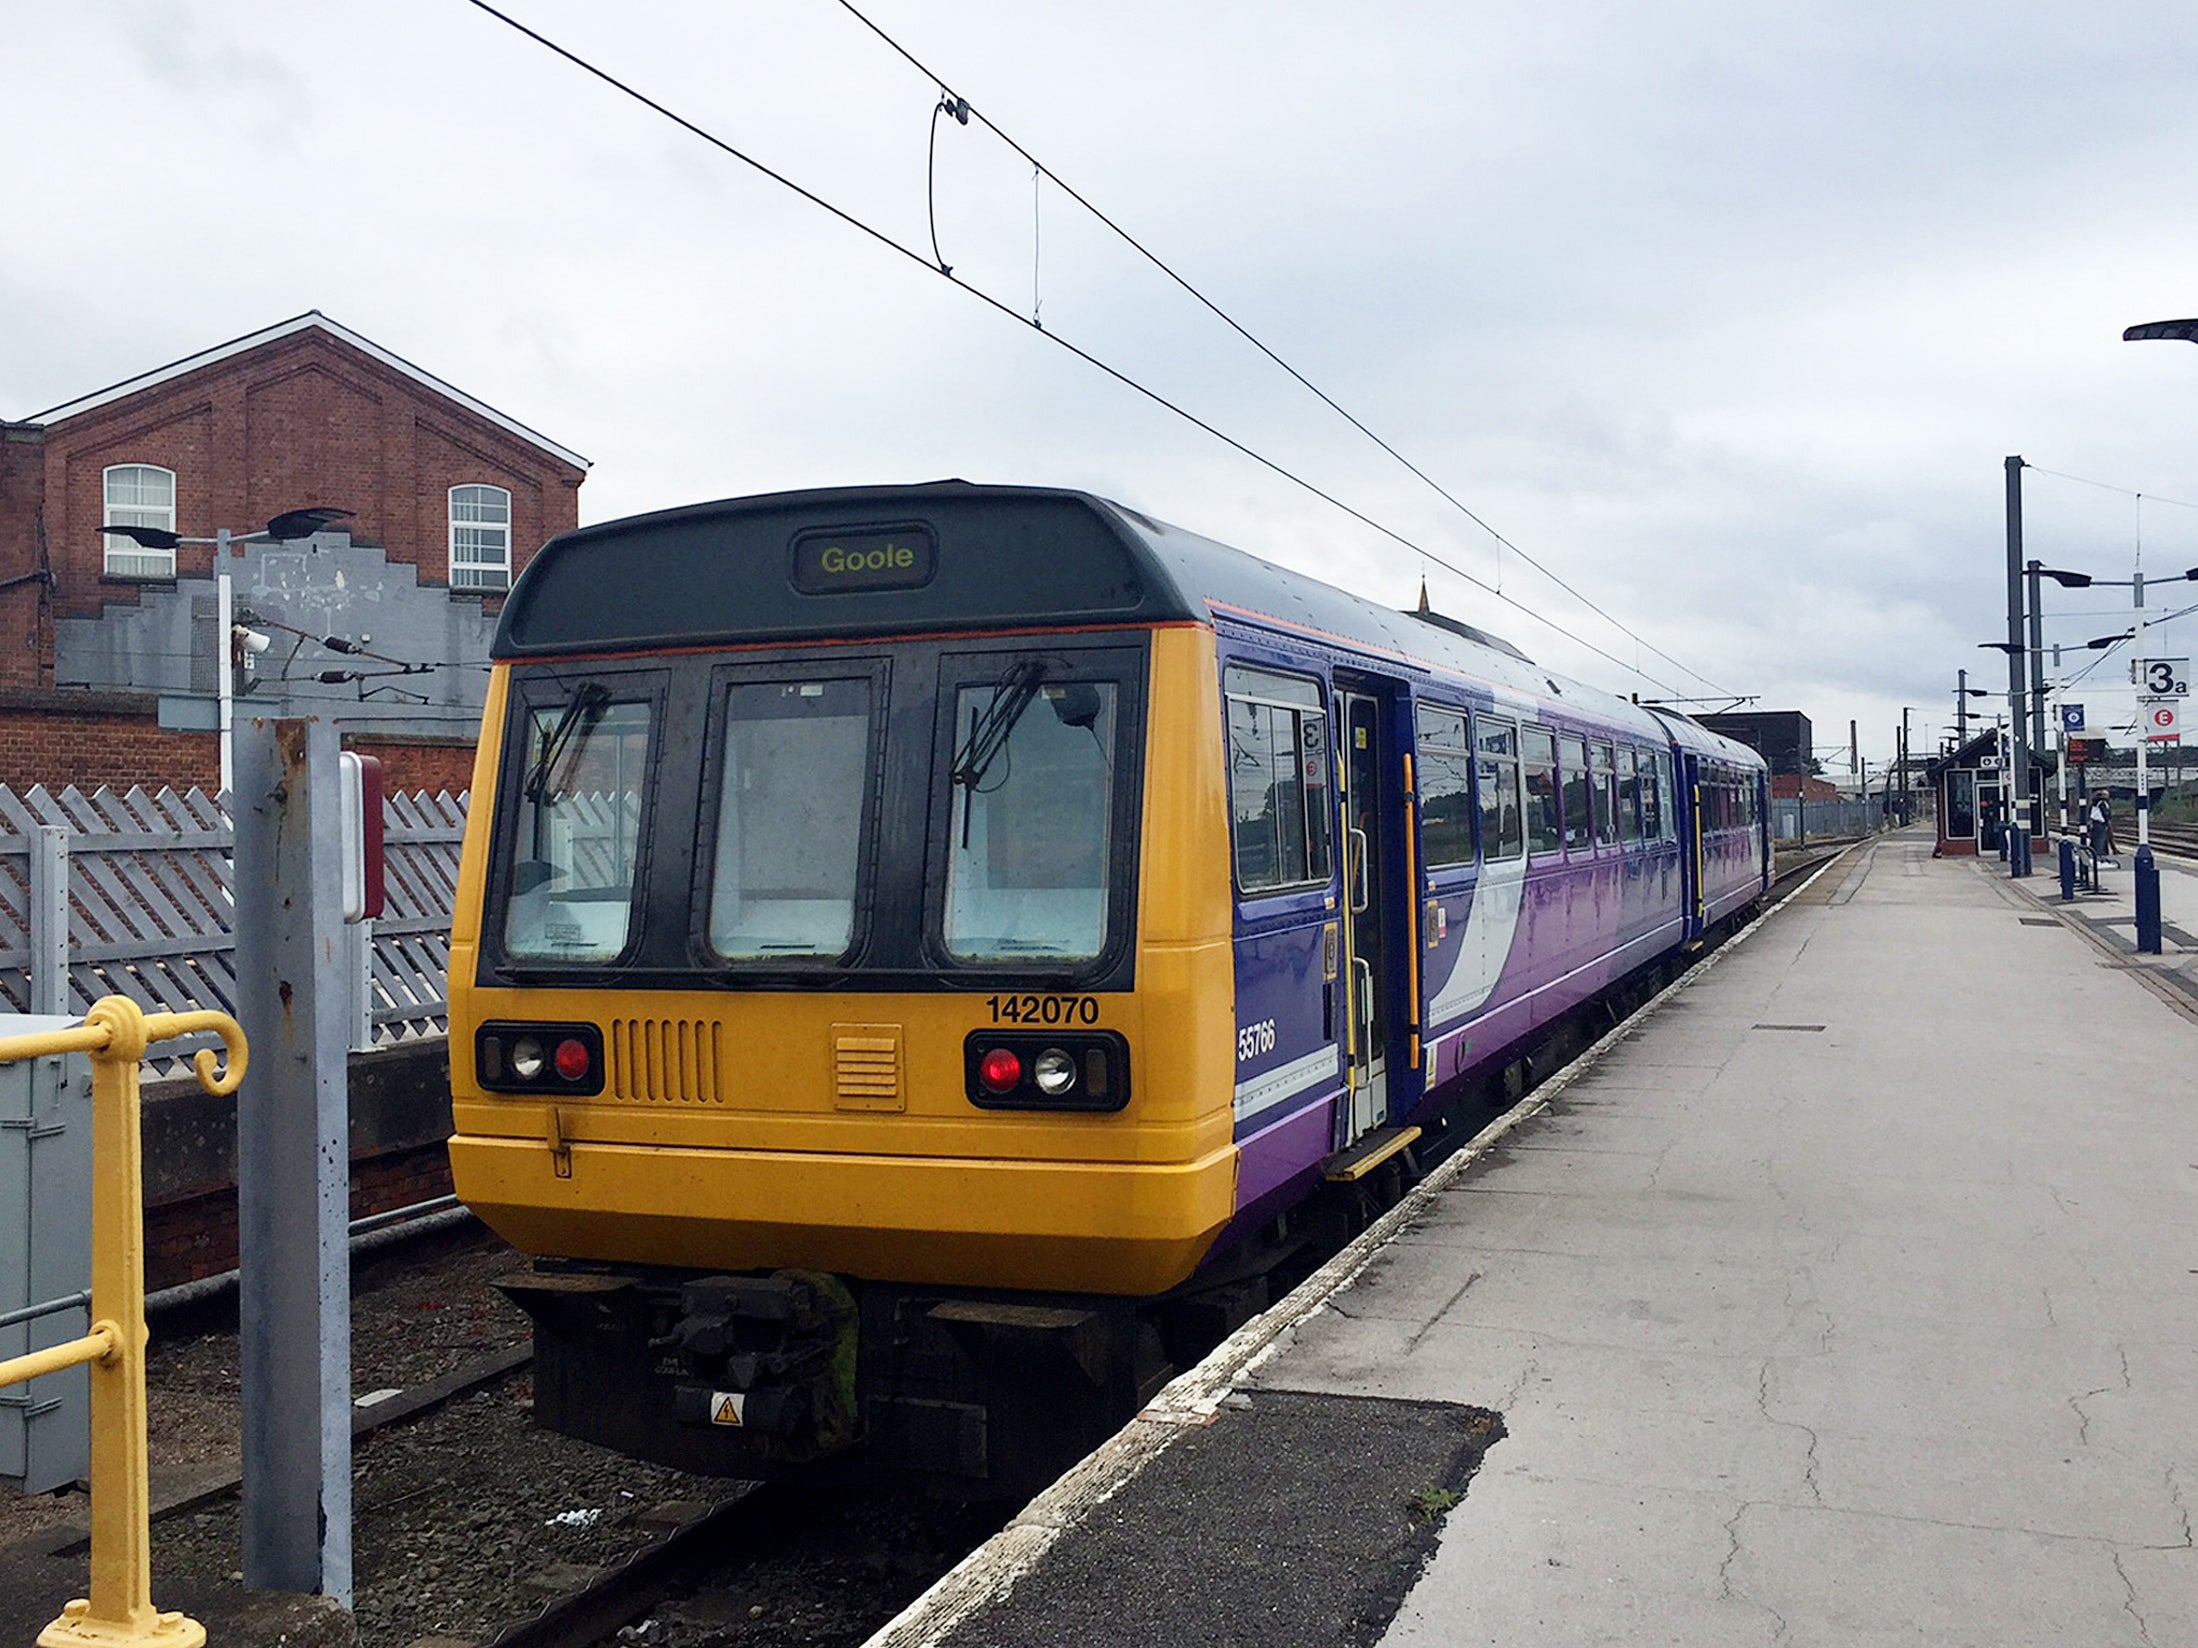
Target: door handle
column 1355, row 863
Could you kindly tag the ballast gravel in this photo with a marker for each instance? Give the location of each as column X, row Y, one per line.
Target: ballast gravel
column 469, row 1517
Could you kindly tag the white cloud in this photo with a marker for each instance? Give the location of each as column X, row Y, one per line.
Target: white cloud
column 1728, row 312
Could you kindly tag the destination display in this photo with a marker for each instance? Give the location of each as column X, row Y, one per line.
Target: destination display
column 834, row 562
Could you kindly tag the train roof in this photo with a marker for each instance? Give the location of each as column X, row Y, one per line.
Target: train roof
column 1690, row 734
column 953, row 555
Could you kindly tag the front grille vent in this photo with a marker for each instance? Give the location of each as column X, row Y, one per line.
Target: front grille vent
column 665, row 1061
column 866, row 1067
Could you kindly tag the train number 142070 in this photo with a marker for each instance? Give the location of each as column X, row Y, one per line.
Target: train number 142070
column 1043, row 1010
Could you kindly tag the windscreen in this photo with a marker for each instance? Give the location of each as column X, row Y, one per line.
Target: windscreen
column 790, row 811
column 1029, row 862
column 579, row 829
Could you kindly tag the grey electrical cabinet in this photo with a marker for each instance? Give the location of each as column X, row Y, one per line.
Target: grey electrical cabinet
column 45, row 1253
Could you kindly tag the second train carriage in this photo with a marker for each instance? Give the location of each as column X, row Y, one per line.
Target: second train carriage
column 904, row 932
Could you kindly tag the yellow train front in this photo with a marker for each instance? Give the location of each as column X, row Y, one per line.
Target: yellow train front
column 841, row 996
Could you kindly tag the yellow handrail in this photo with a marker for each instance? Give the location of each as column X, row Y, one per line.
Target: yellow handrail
column 115, row 1033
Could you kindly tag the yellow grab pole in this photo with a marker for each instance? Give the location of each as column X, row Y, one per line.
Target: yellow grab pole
column 116, row 1033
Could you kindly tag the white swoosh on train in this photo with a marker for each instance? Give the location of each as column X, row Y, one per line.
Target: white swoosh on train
column 1489, row 928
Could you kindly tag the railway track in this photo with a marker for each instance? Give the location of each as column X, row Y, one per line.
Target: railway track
column 2179, row 839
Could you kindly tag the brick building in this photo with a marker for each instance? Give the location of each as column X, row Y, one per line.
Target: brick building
column 106, row 645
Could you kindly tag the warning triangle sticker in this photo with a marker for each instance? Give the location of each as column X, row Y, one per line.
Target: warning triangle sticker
column 725, row 1407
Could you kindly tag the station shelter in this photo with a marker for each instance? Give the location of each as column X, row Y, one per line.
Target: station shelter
column 1972, row 796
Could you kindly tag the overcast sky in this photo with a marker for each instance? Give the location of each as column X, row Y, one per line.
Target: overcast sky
column 1726, row 312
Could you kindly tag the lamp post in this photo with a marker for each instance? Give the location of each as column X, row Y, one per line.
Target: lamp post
column 232, row 640
column 2147, row 876
column 2019, row 779
column 2148, row 873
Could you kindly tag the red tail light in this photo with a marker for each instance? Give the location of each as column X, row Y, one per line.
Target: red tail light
column 1000, row 1070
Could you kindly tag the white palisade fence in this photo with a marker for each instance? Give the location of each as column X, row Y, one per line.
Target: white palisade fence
column 130, row 894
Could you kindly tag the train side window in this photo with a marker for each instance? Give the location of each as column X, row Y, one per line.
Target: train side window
column 1446, row 787
column 1602, row 767
column 586, row 773
column 789, row 830
column 1572, row 764
column 1629, row 795
column 1279, row 805
column 1654, row 825
column 1538, row 762
column 1496, row 772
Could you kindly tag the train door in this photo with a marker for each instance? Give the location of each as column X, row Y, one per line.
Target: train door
column 1766, row 829
column 1369, row 882
column 1692, row 836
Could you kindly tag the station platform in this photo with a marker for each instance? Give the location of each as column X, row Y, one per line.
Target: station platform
column 1849, row 1296
column 2109, row 911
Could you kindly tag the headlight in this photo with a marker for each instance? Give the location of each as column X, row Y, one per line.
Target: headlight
column 564, row 1059
column 1011, row 1070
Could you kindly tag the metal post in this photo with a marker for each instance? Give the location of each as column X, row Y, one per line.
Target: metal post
column 2018, row 777
column 2147, row 879
column 359, row 966
column 49, row 920
column 225, row 671
column 1905, row 799
column 2037, row 682
column 293, row 1162
column 1961, row 708
column 2059, row 707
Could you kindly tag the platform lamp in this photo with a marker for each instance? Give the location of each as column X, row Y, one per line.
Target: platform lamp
column 234, row 640
column 1963, row 692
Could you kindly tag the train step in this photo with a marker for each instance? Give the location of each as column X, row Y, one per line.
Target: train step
column 1347, row 1166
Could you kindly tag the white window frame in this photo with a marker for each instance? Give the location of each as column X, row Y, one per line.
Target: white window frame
column 125, row 557
column 474, row 571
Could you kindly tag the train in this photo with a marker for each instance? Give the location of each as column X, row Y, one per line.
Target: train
column 928, row 959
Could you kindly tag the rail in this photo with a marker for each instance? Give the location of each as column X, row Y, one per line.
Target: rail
column 115, row 1033
column 2179, row 839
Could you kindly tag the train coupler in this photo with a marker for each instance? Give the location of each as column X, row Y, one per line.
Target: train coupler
column 773, row 1356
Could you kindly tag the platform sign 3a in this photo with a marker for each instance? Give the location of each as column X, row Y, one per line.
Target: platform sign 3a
column 2161, row 677
column 2160, row 717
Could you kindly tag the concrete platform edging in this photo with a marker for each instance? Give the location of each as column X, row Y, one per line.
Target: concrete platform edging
column 1192, row 1399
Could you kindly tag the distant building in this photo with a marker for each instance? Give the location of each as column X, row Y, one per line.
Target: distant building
column 1787, row 785
column 1781, row 737
column 448, row 498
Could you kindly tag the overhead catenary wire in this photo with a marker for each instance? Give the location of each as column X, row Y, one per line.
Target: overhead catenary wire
column 940, row 269
column 2103, row 486
column 966, row 111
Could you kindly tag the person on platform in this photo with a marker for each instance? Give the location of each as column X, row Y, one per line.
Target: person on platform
column 2102, row 833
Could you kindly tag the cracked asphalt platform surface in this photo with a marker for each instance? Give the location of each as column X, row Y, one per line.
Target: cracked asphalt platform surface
column 1880, row 1332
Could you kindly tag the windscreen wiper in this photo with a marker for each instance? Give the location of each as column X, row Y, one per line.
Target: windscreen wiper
column 580, row 717
column 988, row 734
